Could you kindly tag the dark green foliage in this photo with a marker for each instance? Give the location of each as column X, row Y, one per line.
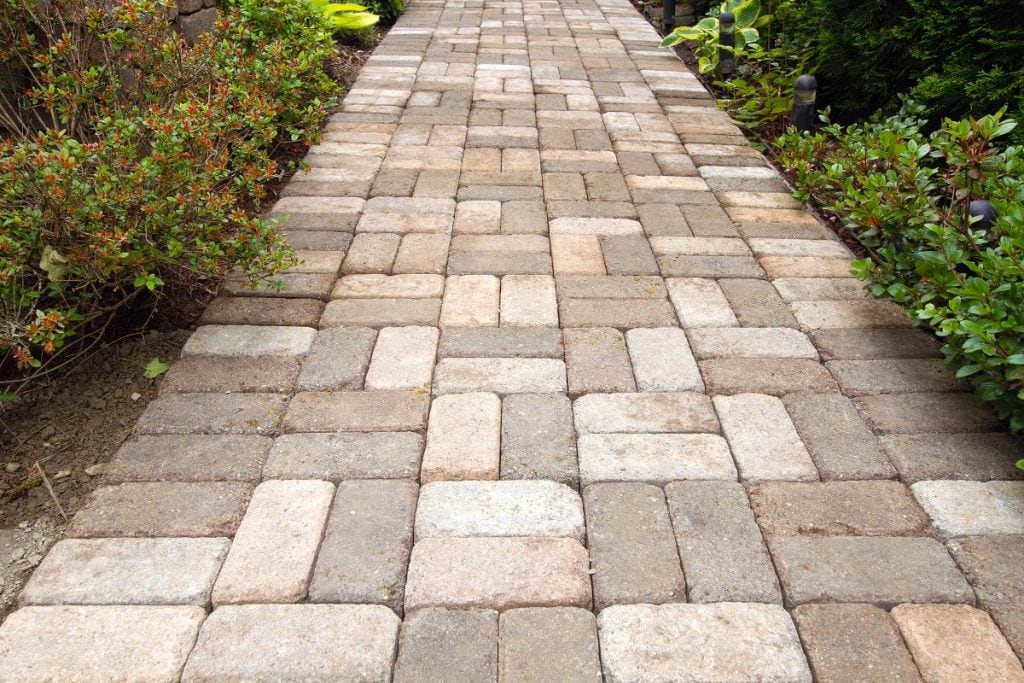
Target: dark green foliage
column 905, row 194
column 955, row 58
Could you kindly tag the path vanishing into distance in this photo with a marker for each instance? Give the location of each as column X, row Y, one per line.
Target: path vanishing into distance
column 567, row 387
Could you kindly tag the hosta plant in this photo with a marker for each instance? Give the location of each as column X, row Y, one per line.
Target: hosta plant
column 705, row 33
column 344, row 16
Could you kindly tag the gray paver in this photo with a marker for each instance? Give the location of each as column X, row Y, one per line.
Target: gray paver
column 854, row 643
column 357, row 411
column 220, row 374
column 991, row 565
column 632, row 550
column 366, row 544
column 537, row 438
column 162, row 509
column 965, row 508
column 838, row 440
column 376, row 455
column 338, row 359
column 723, row 554
column 928, row 413
column 448, row 645
column 548, row 644
column 879, row 570
column 954, row 456
column 189, row 457
column 597, row 362
column 844, row 508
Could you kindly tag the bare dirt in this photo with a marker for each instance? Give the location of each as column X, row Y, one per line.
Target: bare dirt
column 70, row 430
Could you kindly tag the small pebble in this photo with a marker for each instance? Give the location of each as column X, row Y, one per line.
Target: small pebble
column 95, row 470
column 63, row 474
column 12, row 467
column 136, row 396
column 17, row 554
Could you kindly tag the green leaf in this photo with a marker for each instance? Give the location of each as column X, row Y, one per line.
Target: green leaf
column 746, row 13
column 353, row 22
column 155, row 368
column 750, row 36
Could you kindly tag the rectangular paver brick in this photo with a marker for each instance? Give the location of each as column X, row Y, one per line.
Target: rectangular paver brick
column 463, row 438
column 883, row 571
column 838, row 508
column 468, row 640
column 470, row 301
column 122, row 642
column 956, row 642
column 338, row 359
column 162, row 509
column 501, row 342
column 190, row 457
column 403, row 358
column 654, row 458
column 499, row 508
column 662, row 360
column 377, row 455
column 499, row 573
column 729, row 642
column 381, row 312
column 537, row 438
column 127, row 571
column 700, row 303
column 528, row 301
column 756, row 303
column 548, row 644
column 357, row 411
column 724, row 556
column 835, row 435
column 762, row 438
column 750, row 342
column 967, row 508
column 928, row 413
column 596, row 361
column 366, row 545
column 231, row 374
column 309, row 642
column 645, row 413
column 854, row 643
column 249, row 340
column 981, row 457
column 499, row 375
column 275, row 545
column 213, row 414
column 632, row 550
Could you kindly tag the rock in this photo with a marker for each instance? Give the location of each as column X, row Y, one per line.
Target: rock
column 63, row 474
column 12, row 467
column 96, row 470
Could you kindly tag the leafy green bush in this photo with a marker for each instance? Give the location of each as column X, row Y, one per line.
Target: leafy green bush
column 957, row 58
column 905, row 195
column 344, row 16
column 128, row 161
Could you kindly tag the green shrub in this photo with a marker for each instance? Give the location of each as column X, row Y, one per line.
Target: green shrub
column 905, row 195
column 956, row 58
column 128, row 162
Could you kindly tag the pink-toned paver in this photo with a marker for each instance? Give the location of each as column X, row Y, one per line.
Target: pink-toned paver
column 569, row 342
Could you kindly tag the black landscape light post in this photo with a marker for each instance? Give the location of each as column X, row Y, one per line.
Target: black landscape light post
column 805, row 91
column 983, row 210
column 726, row 45
column 668, row 15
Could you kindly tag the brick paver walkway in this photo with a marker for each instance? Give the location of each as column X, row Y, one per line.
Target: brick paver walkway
column 567, row 386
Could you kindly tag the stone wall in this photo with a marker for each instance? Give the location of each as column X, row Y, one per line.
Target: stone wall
column 194, row 17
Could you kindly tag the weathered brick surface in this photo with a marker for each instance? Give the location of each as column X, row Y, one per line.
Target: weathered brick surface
column 188, row 457
column 548, row 644
column 724, row 556
column 365, row 548
column 956, row 642
column 377, row 455
column 597, row 362
column 127, row 642
column 448, row 645
column 274, row 547
column 632, row 550
column 854, row 643
column 731, row 641
column 537, row 438
column 162, row 509
column 884, row 571
column 326, row 642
